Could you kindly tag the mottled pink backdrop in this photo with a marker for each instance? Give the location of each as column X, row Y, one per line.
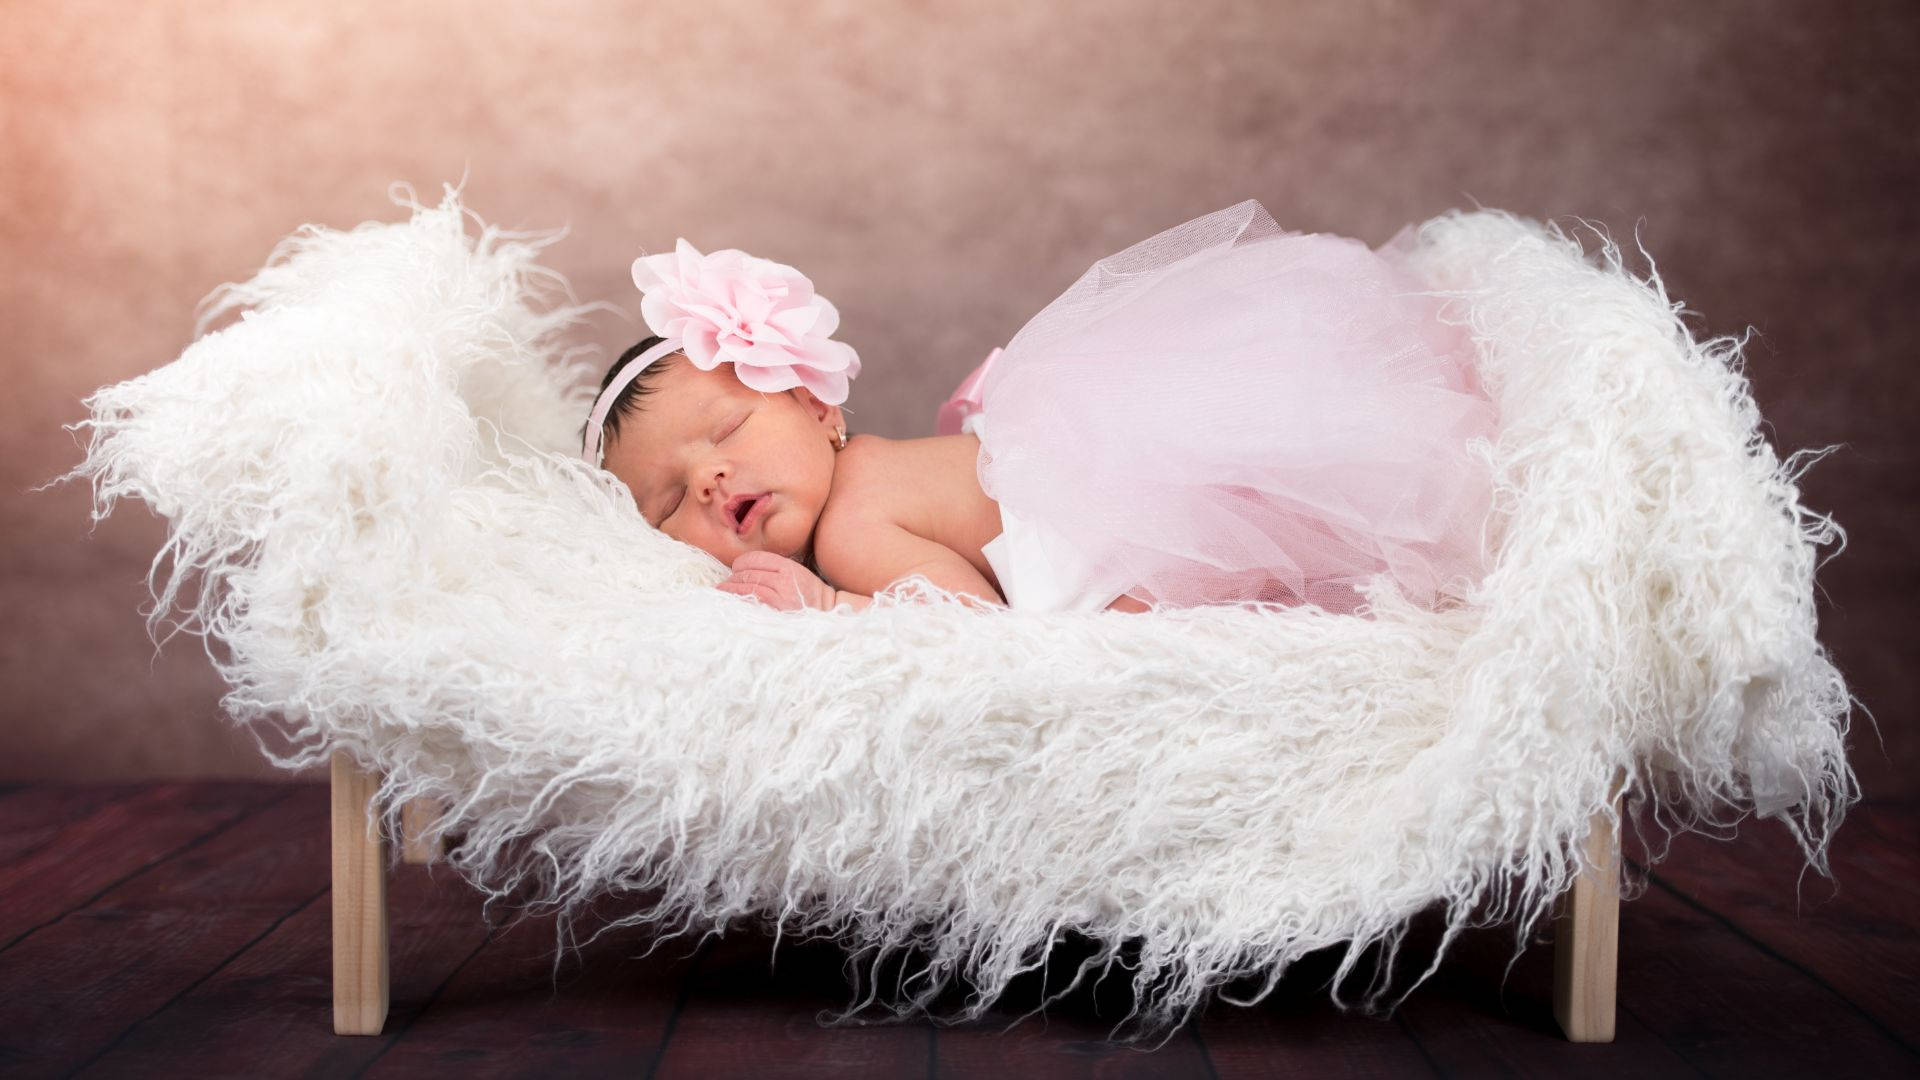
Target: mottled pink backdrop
column 940, row 173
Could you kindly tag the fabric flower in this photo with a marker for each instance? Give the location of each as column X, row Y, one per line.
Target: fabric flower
column 760, row 315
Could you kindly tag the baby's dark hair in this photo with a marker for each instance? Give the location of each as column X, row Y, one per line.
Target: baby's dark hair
column 627, row 401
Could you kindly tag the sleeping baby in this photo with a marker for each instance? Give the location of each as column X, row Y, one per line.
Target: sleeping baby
column 1224, row 413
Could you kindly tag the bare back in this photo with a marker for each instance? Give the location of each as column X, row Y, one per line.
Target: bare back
column 929, row 487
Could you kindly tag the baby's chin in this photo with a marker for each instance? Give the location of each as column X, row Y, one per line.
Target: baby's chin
column 727, row 555
column 788, row 546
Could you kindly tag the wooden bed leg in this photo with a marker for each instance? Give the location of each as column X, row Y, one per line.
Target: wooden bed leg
column 415, row 819
column 1586, row 943
column 359, row 903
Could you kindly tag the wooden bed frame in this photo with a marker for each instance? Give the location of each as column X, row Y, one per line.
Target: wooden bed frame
column 1586, row 935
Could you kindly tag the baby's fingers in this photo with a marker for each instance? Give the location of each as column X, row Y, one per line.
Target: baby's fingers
column 753, row 590
column 739, row 589
column 756, row 577
column 763, row 560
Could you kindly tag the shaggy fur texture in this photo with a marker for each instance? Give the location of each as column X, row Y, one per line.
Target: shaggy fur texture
column 371, row 475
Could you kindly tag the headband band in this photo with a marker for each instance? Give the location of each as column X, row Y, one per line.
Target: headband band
column 592, row 442
column 729, row 307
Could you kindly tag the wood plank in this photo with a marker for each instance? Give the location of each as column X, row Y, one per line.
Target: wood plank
column 1897, row 821
column 163, row 958
column 146, row 939
column 608, row 1014
column 1854, row 933
column 1731, row 1008
column 111, row 841
column 1070, row 1037
column 739, row 1019
column 358, row 860
column 269, row 1010
column 1475, row 1017
column 1586, row 942
column 1687, row 982
column 32, row 816
column 417, row 819
column 1297, row 1030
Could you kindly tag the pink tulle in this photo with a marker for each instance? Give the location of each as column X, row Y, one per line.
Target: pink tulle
column 1229, row 412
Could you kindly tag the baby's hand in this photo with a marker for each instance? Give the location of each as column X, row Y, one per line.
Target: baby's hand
column 778, row 581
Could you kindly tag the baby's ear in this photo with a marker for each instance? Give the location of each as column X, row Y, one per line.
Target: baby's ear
column 820, row 410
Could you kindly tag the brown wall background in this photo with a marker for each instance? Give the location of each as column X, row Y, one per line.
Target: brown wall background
column 940, row 172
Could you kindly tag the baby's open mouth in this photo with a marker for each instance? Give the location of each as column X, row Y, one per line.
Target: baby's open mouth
column 742, row 508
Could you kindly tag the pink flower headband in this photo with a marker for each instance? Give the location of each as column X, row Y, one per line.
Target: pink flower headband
column 760, row 315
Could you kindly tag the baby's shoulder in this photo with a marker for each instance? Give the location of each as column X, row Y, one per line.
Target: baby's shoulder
column 916, row 484
column 866, row 486
column 901, row 503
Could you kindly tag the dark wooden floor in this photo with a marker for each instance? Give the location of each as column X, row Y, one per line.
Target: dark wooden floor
column 167, row 929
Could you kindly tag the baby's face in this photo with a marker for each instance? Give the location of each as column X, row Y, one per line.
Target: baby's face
column 703, row 443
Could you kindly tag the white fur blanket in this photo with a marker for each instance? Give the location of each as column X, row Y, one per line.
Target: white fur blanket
column 371, row 476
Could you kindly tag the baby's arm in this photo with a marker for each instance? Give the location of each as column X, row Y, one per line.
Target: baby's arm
column 870, row 557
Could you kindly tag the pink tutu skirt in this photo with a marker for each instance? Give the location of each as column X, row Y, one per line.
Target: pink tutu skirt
column 1228, row 412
